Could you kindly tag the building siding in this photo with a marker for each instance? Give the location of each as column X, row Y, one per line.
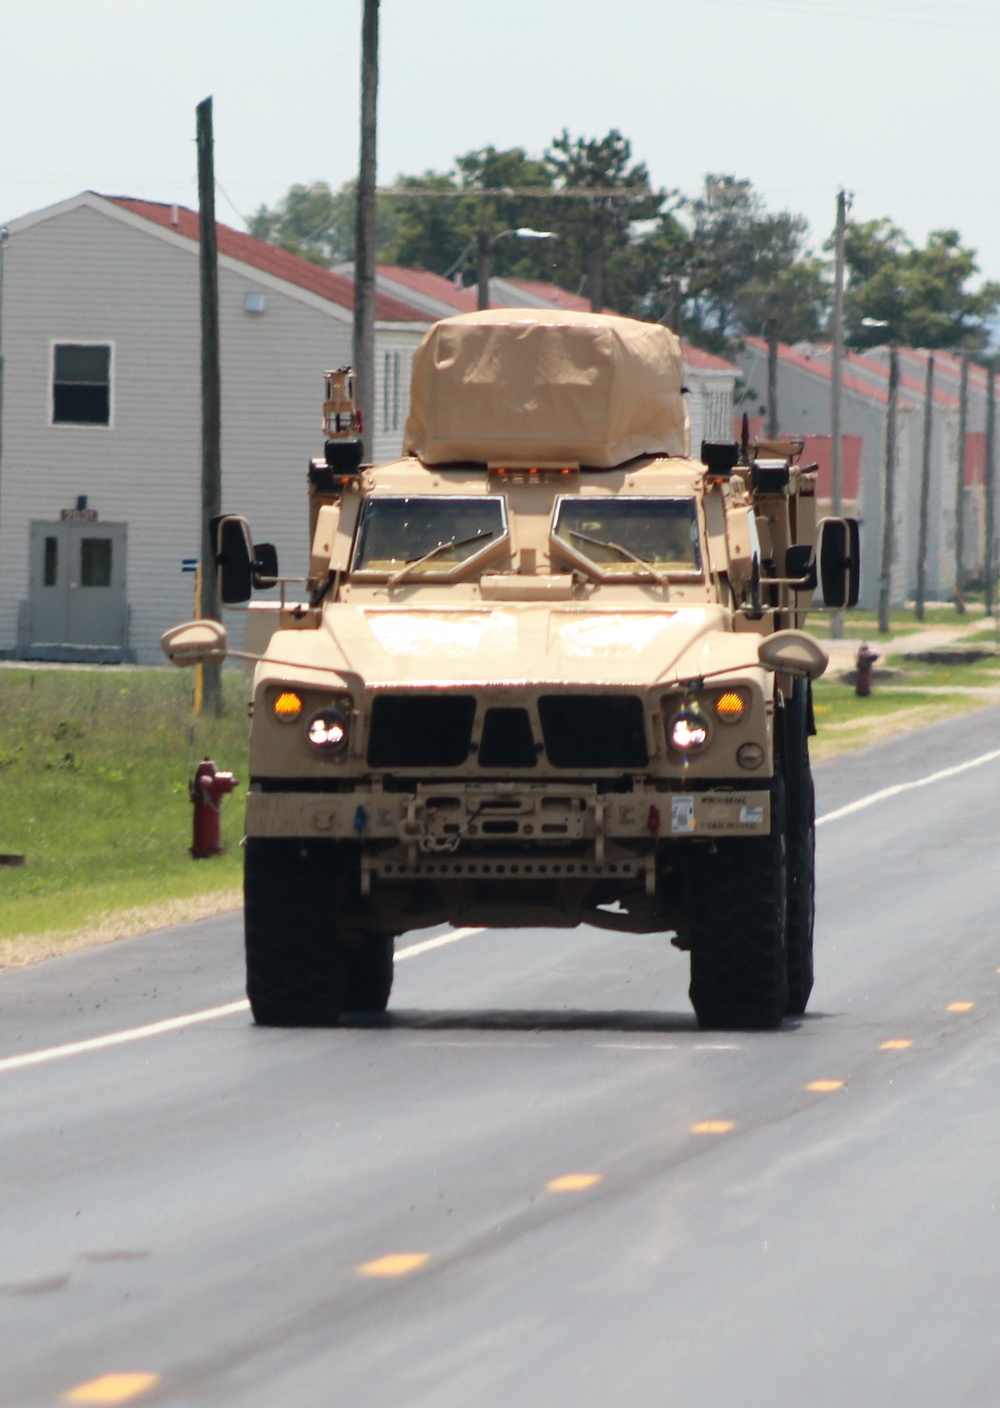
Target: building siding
column 85, row 275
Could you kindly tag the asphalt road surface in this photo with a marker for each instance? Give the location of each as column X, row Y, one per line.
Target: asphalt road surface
column 538, row 1184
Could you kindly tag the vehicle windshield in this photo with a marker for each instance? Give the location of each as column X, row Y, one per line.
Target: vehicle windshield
column 621, row 534
column 398, row 532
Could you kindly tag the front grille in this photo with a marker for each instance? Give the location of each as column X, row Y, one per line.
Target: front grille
column 420, row 730
column 507, row 740
column 593, row 730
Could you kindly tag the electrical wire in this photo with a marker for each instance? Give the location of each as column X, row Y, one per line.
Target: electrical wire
column 934, row 14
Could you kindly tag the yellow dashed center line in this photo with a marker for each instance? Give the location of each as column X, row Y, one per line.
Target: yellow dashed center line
column 825, row 1085
column 896, row 1043
column 573, row 1182
column 396, row 1264
column 960, row 1006
column 713, row 1127
column 112, row 1388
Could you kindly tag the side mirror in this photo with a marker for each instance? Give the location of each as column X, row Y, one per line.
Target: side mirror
column 265, row 566
column 839, row 554
column 195, row 643
column 234, row 558
column 800, row 567
column 793, row 653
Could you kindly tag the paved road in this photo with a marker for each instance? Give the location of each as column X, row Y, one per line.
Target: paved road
column 222, row 1215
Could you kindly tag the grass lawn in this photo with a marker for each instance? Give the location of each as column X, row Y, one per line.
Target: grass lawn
column 865, row 623
column 94, row 768
column 844, row 721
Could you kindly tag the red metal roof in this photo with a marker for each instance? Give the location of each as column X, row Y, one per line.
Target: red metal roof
column 820, row 367
column 463, row 300
column 269, row 259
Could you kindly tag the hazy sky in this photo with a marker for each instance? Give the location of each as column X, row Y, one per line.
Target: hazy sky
column 898, row 100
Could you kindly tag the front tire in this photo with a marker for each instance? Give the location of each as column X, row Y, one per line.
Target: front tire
column 295, row 971
column 737, row 911
column 368, row 973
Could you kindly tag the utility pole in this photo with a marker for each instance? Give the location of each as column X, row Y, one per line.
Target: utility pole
column 771, row 333
column 925, row 487
column 483, row 243
column 991, row 413
column 595, row 261
column 676, row 306
column 963, row 416
column 211, row 401
column 836, row 378
column 364, row 233
column 889, row 494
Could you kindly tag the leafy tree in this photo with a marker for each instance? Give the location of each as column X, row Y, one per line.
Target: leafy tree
column 317, row 223
column 434, row 231
column 747, row 264
column 918, row 297
column 597, row 233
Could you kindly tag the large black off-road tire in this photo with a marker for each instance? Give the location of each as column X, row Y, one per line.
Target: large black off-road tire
column 737, row 914
column 800, row 800
column 295, row 969
column 368, row 972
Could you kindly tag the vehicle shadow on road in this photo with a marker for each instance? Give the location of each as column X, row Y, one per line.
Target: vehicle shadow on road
column 524, row 1020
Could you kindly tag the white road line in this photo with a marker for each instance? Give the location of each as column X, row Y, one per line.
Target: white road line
column 901, row 787
column 175, row 1024
column 97, row 1043
column 415, row 950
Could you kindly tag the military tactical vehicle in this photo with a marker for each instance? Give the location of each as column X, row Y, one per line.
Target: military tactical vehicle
column 546, row 670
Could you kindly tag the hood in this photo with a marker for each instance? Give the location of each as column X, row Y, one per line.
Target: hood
column 387, row 646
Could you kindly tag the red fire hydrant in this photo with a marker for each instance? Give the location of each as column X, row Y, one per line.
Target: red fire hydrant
column 207, row 789
column 863, row 662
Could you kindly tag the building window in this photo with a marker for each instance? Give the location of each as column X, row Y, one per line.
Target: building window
column 51, row 567
column 95, row 562
column 81, row 384
column 718, row 414
column 390, row 401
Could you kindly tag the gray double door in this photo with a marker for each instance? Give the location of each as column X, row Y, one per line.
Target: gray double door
column 77, row 585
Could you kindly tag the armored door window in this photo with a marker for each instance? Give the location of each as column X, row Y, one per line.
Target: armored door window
column 81, row 384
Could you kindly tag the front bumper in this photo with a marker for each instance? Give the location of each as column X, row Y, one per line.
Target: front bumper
column 508, row 830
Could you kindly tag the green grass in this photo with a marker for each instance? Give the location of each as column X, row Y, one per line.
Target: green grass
column 94, row 767
column 865, row 623
column 981, row 674
column 845, row 721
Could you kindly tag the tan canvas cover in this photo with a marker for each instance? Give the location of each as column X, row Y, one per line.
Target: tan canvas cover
column 541, row 386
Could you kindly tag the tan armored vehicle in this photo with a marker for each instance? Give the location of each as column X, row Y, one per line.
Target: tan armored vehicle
column 548, row 671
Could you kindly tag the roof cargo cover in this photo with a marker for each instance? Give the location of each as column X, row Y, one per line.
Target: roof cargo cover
column 532, row 386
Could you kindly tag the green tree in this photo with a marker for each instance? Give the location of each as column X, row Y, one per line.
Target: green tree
column 439, row 213
column 918, row 297
column 598, row 251
column 317, row 223
column 747, row 264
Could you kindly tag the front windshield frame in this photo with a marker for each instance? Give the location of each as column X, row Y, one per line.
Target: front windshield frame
column 617, row 567
column 440, row 568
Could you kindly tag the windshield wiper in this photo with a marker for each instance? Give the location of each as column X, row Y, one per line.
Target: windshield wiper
column 661, row 578
column 416, row 562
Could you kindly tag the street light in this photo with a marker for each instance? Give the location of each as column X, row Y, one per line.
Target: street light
column 484, row 243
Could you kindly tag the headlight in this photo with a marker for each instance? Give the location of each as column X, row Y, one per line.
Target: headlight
column 688, row 730
column 327, row 730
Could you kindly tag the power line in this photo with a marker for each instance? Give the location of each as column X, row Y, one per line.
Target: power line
column 913, row 14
